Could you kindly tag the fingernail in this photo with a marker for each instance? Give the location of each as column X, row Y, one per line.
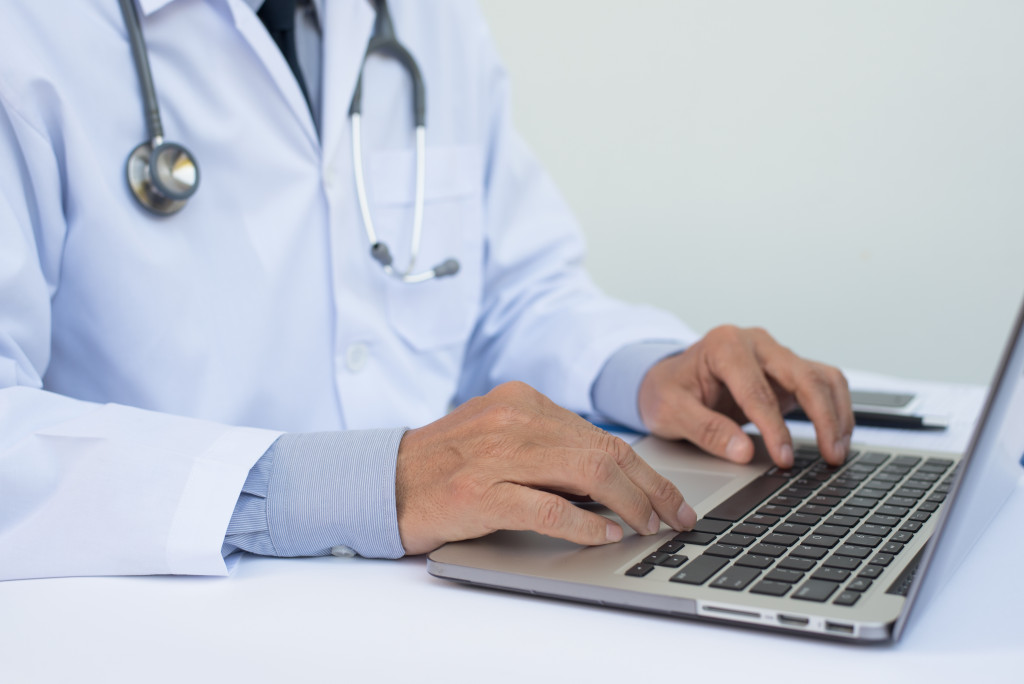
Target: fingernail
column 786, row 456
column 686, row 516
column 735, row 449
column 613, row 533
column 654, row 524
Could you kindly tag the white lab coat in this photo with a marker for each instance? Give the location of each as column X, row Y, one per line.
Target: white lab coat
column 148, row 362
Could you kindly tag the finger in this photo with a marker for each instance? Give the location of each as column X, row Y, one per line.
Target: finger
column 822, row 393
column 741, row 371
column 664, row 496
column 515, row 507
column 592, row 472
column 712, row 431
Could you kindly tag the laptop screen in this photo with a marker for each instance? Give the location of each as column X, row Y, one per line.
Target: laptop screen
column 988, row 475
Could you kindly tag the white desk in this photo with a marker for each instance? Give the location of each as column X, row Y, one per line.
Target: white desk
column 332, row 619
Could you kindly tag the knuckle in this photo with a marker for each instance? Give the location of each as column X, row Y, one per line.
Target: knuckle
column 550, row 513
column 599, row 468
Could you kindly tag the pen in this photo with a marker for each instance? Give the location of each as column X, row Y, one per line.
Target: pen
column 887, row 420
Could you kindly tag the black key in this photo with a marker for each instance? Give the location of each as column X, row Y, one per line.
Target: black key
column 768, row 550
column 929, row 507
column 670, row 546
column 847, row 598
column 734, row 539
column 777, row 511
column 849, row 480
column 865, row 540
column 890, row 476
column 876, row 530
column 798, row 492
column 835, row 491
column 783, row 575
column 813, row 509
column 804, row 551
column 673, row 561
column 780, row 539
column 852, row 511
column 787, row 501
column 921, row 516
column 724, row 550
column 871, row 571
column 882, row 559
column 736, row 507
column 892, row 547
column 898, row 511
column 816, row 590
column 873, row 457
column 832, row 530
column 822, row 500
column 754, row 561
column 655, row 558
column 699, row 570
column 883, row 520
column 880, row 484
column 912, row 492
column 639, row 570
column 911, row 526
column 823, row 541
column 702, row 538
column 902, row 537
column 770, row 588
column 859, row 584
column 897, row 469
column 831, row 574
column 871, row 493
column 792, row 527
column 936, row 498
column 843, row 521
column 853, row 551
column 799, row 564
column 735, row 578
column 860, row 468
column 926, row 477
column 711, row 526
column 803, row 519
column 762, row 519
column 861, row 501
column 751, row 529
column 842, row 562
column 909, row 460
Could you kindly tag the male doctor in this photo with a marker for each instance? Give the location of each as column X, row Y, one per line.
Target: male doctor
column 239, row 374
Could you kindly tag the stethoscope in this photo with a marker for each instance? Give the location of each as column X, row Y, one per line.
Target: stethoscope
column 163, row 175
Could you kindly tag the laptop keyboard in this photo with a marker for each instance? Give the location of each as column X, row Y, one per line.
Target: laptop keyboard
column 813, row 532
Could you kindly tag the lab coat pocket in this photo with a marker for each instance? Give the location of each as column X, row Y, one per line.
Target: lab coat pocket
column 439, row 312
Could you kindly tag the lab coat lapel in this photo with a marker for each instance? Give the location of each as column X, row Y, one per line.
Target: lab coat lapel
column 251, row 28
column 346, row 28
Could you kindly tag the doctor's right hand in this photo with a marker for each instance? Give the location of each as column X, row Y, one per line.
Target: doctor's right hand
column 493, row 463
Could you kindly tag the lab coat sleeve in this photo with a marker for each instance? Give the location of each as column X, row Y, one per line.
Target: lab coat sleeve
column 617, row 388
column 90, row 489
column 543, row 321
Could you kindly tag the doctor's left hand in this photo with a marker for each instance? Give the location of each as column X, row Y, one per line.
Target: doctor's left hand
column 734, row 375
column 492, row 463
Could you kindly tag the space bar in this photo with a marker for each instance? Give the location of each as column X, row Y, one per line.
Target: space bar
column 742, row 502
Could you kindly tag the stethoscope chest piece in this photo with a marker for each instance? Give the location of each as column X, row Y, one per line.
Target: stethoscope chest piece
column 162, row 176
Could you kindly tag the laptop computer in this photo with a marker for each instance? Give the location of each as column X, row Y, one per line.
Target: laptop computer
column 840, row 553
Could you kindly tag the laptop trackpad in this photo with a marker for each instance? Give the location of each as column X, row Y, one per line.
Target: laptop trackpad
column 697, row 486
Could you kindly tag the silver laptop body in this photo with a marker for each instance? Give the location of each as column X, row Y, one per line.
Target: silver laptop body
column 853, row 574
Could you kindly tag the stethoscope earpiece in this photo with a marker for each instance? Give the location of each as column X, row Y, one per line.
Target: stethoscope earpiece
column 162, row 178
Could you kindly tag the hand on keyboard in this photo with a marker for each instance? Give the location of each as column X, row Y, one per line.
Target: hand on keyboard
column 735, row 375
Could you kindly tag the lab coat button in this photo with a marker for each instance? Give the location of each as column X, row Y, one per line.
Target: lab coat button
column 356, row 357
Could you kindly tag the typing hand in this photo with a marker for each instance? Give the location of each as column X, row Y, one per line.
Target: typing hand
column 483, row 468
column 735, row 375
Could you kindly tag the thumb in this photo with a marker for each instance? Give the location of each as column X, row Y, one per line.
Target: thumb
column 714, row 432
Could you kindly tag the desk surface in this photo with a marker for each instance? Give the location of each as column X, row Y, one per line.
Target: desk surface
column 336, row 619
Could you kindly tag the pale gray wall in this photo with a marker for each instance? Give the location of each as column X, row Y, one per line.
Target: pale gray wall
column 848, row 174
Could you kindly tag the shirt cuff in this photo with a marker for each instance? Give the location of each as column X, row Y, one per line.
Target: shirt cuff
column 312, row 492
column 617, row 388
